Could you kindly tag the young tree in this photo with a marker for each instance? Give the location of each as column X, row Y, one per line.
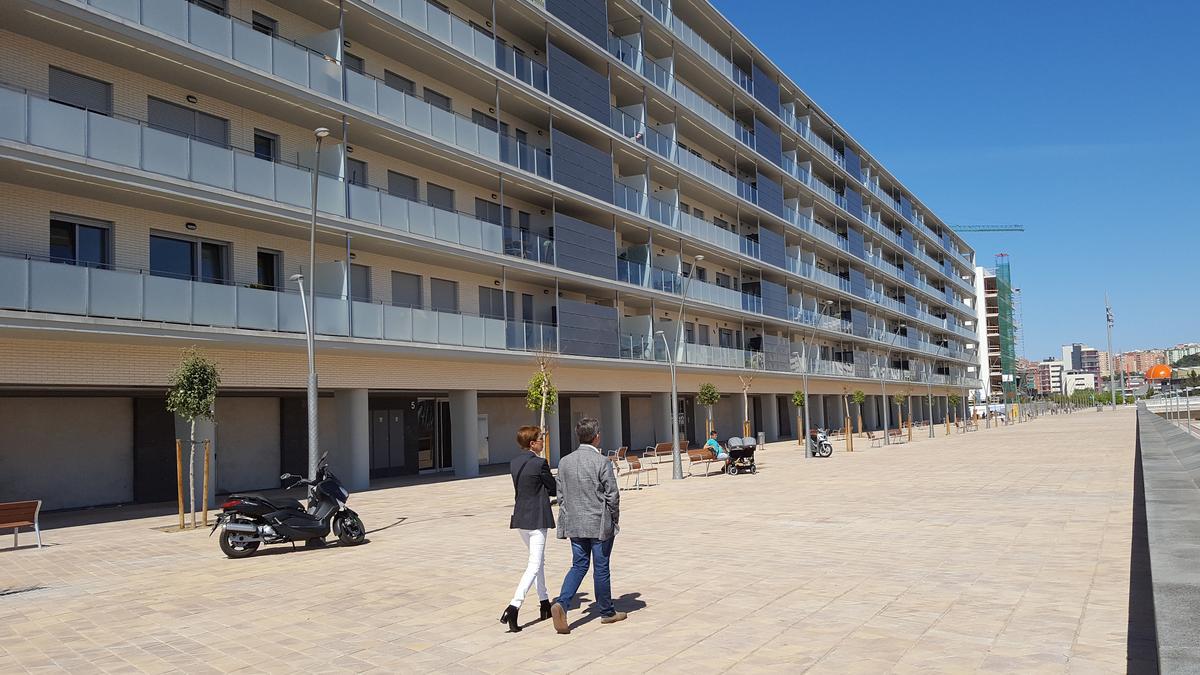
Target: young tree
column 541, row 395
column 898, row 400
column 708, row 397
column 747, row 380
column 954, row 400
column 192, row 395
column 799, row 402
column 858, row 397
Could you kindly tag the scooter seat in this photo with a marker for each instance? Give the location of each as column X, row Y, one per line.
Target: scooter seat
column 280, row 503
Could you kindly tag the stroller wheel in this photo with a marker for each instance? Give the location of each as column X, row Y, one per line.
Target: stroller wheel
column 731, row 470
column 753, row 468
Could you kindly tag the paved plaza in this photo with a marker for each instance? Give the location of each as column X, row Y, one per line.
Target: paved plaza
column 1004, row 550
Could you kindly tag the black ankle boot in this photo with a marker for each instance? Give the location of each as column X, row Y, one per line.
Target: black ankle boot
column 510, row 617
column 545, row 610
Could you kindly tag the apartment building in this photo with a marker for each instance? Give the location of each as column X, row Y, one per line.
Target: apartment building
column 1084, row 359
column 567, row 178
column 1049, row 377
column 1138, row 362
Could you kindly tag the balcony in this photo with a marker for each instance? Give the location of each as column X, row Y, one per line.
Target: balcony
column 698, row 166
column 716, row 295
column 631, row 199
column 233, row 39
column 648, row 276
column 372, row 95
column 37, row 121
column 41, row 285
column 437, row 22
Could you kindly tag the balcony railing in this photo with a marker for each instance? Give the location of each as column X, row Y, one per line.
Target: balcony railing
column 698, row 166
column 637, row 131
column 462, row 132
column 521, row 66
column 40, row 285
column 439, row 23
column 234, row 39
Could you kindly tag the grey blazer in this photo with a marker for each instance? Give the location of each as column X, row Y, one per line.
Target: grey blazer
column 588, row 498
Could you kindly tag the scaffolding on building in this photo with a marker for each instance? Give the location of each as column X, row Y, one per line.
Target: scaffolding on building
column 1007, row 356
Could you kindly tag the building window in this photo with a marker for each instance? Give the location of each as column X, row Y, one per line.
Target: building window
column 354, row 63
column 439, row 197
column 490, row 306
column 527, row 307
column 689, row 332
column 437, row 100
column 356, row 172
column 703, row 334
column 266, row 145
column 701, row 274
column 264, row 24
column 268, row 269
column 80, row 91
column 406, row 289
column 79, row 241
column 188, row 122
column 218, row 6
column 443, row 295
column 404, row 187
column 724, row 280
column 360, row 283
column 725, row 337
column 180, row 258
column 399, row 83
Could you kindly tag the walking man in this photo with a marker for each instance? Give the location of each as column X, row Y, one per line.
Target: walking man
column 589, row 509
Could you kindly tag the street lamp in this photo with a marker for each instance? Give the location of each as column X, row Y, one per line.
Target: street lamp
column 676, row 459
column 887, row 360
column 309, row 307
column 825, row 304
column 929, row 395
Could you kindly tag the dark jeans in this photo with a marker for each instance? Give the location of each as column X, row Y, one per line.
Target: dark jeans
column 598, row 551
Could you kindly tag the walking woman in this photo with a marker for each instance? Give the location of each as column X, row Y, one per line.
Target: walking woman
column 532, row 518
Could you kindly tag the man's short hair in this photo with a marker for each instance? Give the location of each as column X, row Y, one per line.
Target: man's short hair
column 527, row 435
column 587, row 429
column 713, row 432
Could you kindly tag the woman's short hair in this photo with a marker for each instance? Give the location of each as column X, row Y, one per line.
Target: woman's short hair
column 527, row 435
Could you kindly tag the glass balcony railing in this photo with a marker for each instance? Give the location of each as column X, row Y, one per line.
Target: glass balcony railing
column 744, row 134
column 631, row 199
column 714, row 294
column 701, row 46
column 698, row 166
column 233, row 39
column 521, row 66
column 625, row 51
column 747, row 191
column 702, row 107
column 657, row 8
column 462, row 132
column 706, row 231
column 530, row 336
column 743, row 80
column 137, row 294
column 130, row 143
column 439, row 23
column 750, row 247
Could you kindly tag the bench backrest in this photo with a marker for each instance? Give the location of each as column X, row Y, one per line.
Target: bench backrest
column 702, row 455
column 635, row 464
column 20, row 512
column 669, row 446
column 624, row 450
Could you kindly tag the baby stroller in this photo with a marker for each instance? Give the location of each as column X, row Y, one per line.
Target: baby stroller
column 741, row 455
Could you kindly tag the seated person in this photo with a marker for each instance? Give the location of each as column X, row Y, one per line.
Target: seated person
column 715, row 445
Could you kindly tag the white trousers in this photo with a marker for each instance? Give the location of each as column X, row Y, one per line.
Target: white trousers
column 535, row 570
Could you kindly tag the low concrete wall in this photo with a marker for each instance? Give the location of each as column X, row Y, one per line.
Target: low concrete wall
column 1170, row 464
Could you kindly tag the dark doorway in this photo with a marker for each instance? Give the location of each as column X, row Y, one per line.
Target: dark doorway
column 785, row 416
column 154, row 477
column 756, row 415
column 626, row 432
column 293, row 435
column 387, row 443
column 566, row 434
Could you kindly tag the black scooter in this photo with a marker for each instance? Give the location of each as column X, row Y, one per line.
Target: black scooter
column 246, row 521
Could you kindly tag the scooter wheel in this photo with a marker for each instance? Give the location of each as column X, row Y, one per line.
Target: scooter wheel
column 237, row 549
column 349, row 529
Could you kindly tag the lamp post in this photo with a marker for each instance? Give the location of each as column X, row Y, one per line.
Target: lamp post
column 310, row 328
column 887, row 360
column 1112, row 380
column 676, row 459
column 929, row 395
column 825, row 304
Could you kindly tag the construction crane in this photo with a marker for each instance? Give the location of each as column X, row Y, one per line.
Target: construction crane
column 988, row 228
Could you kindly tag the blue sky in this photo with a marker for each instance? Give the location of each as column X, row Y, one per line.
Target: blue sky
column 1079, row 120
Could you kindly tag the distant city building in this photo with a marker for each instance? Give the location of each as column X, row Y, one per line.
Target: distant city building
column 1049, row 377
column 1082, row 358
column 1074, row 381
column 1140, row 361
column 1181, row 350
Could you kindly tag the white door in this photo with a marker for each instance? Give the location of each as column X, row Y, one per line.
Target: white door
column 484, row 451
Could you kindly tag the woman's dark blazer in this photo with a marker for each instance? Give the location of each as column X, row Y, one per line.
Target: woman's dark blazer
column 534, row 486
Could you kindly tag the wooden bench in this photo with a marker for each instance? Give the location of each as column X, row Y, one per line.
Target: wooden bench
column 636, row 469
column 897, row 435
column 21, row 514
column 666, row 449
column 703, row 456
column 876, row 439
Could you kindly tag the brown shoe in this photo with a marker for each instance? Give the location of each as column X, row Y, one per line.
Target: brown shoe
column 559, row 615
column 619, row 616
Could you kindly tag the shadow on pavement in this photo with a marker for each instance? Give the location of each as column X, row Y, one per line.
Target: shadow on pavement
column 1141, row 642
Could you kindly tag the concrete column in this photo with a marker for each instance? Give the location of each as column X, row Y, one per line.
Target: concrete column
column 743, row 412
column 555, row 440
column 610, row 419
column 816, row 416
column 837, row 412
column 464, row 432
column 770, row 416
column 660, row 407
column 354, row 436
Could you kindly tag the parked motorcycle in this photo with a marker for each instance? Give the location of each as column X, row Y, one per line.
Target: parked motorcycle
column 249, row 520
column 818, row 443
